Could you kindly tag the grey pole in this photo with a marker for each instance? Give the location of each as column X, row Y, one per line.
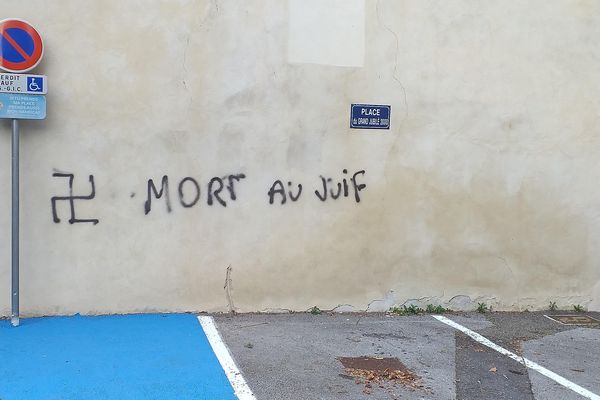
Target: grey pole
column 15, row 223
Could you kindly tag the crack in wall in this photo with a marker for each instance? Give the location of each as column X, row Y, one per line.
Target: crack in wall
column 184, row 64
column 397, row 53
column 228, row 289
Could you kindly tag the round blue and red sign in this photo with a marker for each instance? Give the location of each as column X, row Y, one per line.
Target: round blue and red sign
column 21, row 47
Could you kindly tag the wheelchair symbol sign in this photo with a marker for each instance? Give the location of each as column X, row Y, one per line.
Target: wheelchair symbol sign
column 35, row 85
column 23, row 83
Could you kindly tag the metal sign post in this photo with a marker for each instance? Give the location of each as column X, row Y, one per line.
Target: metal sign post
column 15, row 107
column 21, row 49
column 15, row 223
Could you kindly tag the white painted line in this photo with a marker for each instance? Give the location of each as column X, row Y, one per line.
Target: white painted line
column 553, row 320
column 238, row 383
column 522, row 360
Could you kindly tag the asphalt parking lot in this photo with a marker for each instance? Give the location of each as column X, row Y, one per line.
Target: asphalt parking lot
column 305, row 356
column 300, row 356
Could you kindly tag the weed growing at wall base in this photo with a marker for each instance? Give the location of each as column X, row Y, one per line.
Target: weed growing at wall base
column 315, row 310
column 552, row 306
column 431, row 309
column 414, row 310
column 483, row 308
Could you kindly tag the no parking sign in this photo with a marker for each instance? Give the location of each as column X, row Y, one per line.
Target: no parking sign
column 21, row 46
column 21, row 50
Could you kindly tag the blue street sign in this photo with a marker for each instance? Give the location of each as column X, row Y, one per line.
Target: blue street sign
column 35, row 84
column 370, row 116
column 22, row 106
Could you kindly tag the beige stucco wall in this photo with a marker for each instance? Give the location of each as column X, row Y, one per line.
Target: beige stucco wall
column 484, row 189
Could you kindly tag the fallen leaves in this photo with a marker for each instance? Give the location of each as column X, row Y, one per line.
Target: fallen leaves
column 378, row 371
column 368, row 378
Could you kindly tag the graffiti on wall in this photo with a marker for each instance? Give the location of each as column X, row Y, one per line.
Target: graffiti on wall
column 220, row 191
column 294, row 191
column 215, row 191
column 71, row 200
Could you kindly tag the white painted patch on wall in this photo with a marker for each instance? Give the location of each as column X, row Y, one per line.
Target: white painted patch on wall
column 327, row 32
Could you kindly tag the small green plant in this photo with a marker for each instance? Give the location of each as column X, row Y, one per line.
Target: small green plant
column 482, row 308
column 410, row 310
column 431, row 309
column 315, row 310
column 552, row 306
column 248, row 345
column 578, row 308
column 413, row 310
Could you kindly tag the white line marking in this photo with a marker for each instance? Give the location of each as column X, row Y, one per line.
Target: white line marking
column 553, row 320
column 522, row 360
column 238, row 383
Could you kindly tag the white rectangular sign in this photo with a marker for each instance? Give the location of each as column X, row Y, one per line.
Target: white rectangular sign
column 23, row 84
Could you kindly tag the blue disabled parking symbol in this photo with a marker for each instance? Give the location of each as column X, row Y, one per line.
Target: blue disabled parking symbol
column 35, row 84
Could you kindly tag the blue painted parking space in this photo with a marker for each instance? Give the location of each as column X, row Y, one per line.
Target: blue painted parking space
column 147, row 356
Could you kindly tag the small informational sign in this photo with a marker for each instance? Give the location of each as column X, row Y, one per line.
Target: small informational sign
column 23, row 84
column 370, row 116
column 21, row 46
column 22, row 106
